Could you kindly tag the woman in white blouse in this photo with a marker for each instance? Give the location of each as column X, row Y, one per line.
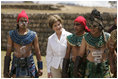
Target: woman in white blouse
column 56, row 47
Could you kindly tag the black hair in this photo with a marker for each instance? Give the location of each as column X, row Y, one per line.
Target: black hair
column 94, row 16
column 17, row 27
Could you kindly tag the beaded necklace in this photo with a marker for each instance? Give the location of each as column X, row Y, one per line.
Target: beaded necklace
column 95, row 41
column 22, row 39
column 75, row 40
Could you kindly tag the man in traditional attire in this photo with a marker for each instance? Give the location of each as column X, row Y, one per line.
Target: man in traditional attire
column 73, row 45
column 94, row 47
column 112, row 45
column 21, row 41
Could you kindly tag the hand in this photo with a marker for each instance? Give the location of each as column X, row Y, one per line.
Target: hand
column 40, row 72
column 50, row 75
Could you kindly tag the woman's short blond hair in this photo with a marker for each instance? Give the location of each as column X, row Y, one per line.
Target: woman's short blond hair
column 52, row 19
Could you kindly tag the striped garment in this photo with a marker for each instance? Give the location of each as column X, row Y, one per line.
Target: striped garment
column 21, row 69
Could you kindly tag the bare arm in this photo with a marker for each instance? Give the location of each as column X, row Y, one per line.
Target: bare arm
column 66, row 62
column 9, row 46
column 7, row 58
column 78, row 60
column 68, row 50
column 37, row 49
column 38, row 56
column 81, row 52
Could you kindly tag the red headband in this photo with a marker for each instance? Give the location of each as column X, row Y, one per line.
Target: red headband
column 22, row 14
column 82, row 21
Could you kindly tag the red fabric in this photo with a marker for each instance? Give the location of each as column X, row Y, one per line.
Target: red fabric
column 22, row 14
column 82, row 21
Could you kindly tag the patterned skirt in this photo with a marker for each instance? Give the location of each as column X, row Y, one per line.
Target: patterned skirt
column 23, row 67
column 100, row 70
column 81, row 69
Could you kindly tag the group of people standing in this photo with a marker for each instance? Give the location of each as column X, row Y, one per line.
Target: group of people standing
column 88, row 53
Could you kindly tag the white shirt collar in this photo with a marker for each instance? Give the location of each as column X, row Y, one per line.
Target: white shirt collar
column 63, row 33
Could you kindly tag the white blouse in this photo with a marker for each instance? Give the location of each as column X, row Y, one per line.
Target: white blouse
column 56, row 50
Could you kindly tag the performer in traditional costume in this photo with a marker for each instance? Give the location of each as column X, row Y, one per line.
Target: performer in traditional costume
column 20, row 41
column 73, row 45
column 112, row 45
column 94, row 47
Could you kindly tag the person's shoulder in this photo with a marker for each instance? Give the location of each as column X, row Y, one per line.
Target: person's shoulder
column 107, row 34
column 66, row 32
column 11, row 32
column 51, row 36
column 33, row 32
column 70, row 36
column 86, row 34
column 114, row 31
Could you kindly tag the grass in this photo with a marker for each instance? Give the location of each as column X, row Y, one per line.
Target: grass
column 3, row 53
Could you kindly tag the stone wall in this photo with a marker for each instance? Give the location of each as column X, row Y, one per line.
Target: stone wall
column 32, row 6
column 39, row 23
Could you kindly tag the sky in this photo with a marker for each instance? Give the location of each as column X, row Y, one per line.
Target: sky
column 99, row 3
column 83, row 3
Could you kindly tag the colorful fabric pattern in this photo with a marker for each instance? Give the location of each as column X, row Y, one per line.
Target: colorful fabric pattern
column 71, row 66
column 28, row 69
column 81, row 69
column 96, row 41
column 100, row 70
column 74, row 40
